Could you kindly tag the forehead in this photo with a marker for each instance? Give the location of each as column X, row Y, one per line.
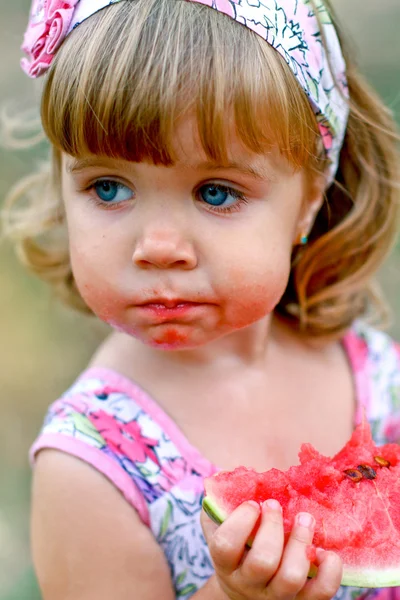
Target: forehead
column 188, row 148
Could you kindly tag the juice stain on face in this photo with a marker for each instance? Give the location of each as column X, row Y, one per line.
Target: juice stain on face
column 170, row 337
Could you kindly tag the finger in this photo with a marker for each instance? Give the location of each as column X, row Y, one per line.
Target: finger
column 227, row 544
column 208, row 526
column 293, row 571
column 326, row 583
column 262, row 561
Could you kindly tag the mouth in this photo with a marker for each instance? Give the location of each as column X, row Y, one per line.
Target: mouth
column 168, row 303
column 169, row 308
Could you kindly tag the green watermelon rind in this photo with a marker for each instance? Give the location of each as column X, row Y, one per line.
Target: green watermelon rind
column 371, row 578
column 212, row 509
column 352, row 577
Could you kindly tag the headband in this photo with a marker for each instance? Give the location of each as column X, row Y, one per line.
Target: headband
column 289, row 26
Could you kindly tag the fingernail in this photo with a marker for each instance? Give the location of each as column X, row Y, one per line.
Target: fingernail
column 320, row 552
column 273, row 504
column 253, row 503
column 305, row 520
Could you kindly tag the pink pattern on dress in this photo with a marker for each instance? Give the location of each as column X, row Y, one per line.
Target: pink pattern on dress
column 392, row 593
column 358, row 348
column 124, row 438
column 391, row 429
column 173, row 470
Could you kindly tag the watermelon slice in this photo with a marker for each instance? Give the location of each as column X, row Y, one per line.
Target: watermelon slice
column 354, row 497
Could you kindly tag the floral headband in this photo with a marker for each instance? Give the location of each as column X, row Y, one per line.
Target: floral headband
column 289, row 26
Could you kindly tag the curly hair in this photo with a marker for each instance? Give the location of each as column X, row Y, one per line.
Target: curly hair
column 118, row 85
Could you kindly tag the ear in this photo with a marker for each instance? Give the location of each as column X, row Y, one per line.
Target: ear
column 312, row 202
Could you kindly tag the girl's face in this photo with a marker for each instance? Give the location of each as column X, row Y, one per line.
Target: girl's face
column 179, row 256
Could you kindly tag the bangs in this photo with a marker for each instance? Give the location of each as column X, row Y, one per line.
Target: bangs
column 125, row 77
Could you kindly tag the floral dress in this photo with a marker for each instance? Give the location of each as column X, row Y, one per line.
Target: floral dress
column 112, row 424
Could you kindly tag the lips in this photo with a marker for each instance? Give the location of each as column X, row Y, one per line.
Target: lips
column 170, row 310
column 175, row 306
column 168, row 303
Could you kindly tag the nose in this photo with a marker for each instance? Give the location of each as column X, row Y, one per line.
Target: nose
column 164, row 248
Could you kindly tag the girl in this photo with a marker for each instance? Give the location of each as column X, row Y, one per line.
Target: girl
column 221, row 192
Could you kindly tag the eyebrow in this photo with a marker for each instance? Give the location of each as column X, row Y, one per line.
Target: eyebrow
column 80, row 164
column 243, row 168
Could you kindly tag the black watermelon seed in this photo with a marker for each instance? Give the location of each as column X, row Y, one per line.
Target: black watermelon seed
column 367, row 471
column 354, row 475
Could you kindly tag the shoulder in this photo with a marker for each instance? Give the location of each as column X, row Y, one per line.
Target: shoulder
column 87, row 553
column 99, row 420
column 375, row 359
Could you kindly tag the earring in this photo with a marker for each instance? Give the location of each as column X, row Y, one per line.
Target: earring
column 304, row 239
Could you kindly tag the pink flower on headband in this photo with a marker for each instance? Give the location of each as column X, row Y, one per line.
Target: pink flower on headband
column 48, row 25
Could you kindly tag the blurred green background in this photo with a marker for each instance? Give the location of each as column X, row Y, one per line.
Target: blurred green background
column 43, row 346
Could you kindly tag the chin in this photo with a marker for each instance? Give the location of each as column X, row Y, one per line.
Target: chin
column 175, row 339
column 168, row 338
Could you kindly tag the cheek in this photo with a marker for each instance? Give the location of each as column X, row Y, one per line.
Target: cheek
column 92, row 269
column 253, row 288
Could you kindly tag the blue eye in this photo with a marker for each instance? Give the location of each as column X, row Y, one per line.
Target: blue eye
column 219, row 195
column 110, row 191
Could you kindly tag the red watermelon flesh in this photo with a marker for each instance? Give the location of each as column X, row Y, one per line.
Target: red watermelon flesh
column 354, row 497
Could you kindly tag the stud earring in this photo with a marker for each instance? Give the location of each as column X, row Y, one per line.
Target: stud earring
column 304, row 240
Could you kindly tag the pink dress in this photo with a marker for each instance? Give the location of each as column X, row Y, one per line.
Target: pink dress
column 112, row 424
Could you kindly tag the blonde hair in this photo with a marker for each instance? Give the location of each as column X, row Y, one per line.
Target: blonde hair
column 118, row 85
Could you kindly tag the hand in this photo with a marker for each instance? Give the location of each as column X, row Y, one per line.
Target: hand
column 268, row 570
